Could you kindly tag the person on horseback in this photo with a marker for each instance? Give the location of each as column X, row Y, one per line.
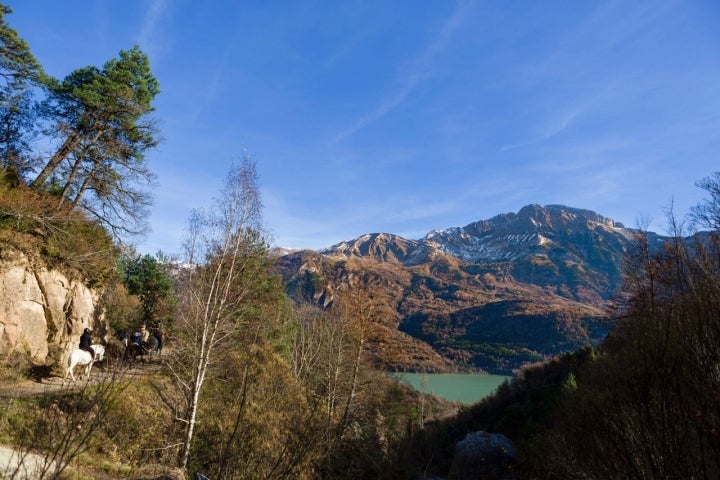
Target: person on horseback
column 140, row 338
column 86, row 341
column 144, row 335
column 160, row 334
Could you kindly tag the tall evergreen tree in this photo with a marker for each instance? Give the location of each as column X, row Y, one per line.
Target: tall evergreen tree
column 101, row 118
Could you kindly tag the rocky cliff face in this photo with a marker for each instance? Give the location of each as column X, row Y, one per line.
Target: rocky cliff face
column 42, row 312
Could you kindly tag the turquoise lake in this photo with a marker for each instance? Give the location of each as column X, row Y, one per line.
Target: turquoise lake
column 459, row 387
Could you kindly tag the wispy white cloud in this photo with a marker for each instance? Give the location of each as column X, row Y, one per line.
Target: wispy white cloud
column 148, row 35
column 415, row 72
column 329, row 223
column 552, row 125
column 386, row 106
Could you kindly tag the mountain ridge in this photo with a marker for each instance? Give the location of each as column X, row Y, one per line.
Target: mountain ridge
column 550, row 270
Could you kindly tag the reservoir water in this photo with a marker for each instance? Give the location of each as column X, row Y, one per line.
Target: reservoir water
column 459, row 387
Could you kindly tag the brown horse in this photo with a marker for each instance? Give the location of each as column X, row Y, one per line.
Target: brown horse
column 134, row 350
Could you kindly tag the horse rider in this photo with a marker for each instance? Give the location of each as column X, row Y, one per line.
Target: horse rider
column 144, row 334
column 160, row 334
column 140, row 337
column 86, row 341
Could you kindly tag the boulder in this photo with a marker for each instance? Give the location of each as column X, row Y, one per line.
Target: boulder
column 482, row 455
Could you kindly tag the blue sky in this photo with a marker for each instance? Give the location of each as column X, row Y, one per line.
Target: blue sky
column 406, row 116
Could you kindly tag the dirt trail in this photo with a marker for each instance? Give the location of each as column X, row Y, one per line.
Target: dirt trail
column 102, row 371
column 19, row 465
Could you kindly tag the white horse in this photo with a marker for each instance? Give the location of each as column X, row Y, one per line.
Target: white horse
column 82, row 357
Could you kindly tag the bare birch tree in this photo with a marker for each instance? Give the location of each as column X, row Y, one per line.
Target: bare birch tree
column 226, row 255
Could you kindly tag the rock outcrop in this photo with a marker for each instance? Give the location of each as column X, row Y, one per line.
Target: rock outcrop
column 483, row 455
column 42, row 312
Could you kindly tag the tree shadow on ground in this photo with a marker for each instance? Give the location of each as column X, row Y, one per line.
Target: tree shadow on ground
column 39, row 372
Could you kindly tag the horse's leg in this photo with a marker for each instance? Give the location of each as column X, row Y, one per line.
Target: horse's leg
column 129, row 355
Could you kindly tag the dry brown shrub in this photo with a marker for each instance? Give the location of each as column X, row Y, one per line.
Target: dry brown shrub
column 57, row 236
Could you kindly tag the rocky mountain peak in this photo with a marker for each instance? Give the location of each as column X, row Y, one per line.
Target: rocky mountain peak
column 507, row 237
column 381, row 246
column 530, row 231
column 384, row 247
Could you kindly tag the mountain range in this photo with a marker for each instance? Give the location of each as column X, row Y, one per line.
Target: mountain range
column 489, row 296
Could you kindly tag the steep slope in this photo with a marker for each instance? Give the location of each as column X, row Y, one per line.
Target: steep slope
column 491, row 295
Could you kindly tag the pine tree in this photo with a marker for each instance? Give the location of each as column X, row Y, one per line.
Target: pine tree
column 101, row 118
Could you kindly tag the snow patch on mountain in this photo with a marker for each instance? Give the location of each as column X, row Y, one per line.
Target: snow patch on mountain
column 504, row 238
